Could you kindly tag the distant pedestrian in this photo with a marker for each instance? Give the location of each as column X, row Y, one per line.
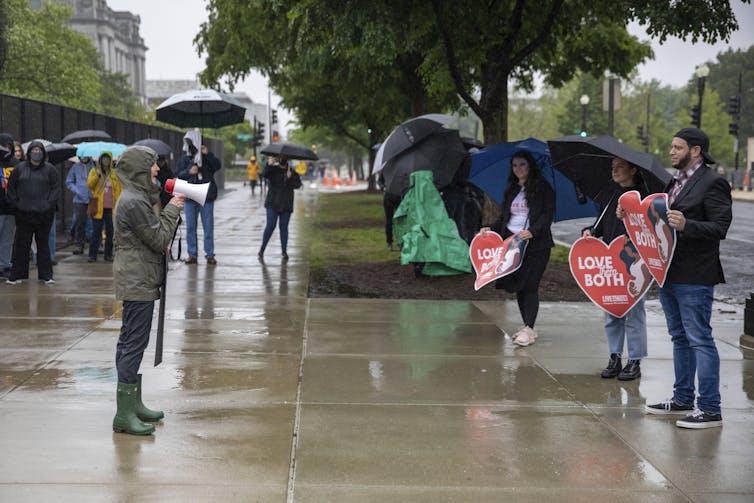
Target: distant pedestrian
column 700, row 210
column 33, row 190
column 199, row 167
column 632, row 327
column 528, row 210
column 252, row 170
column 18, row 151
column 105, row 187
column 76, row 183
column 7, row 219
column 143, row 231
column 281, row 181
column 390, row 203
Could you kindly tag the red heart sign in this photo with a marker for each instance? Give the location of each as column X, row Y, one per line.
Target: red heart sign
column 494, row 258
column 647, row 225
column 613, row 277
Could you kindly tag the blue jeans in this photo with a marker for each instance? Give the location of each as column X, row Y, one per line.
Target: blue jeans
column 193, row 209
column 688, row 310
column 7, row 231
column 632, row 329
column 272, row 219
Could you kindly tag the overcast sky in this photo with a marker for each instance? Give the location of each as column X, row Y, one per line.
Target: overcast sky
column 169, row 26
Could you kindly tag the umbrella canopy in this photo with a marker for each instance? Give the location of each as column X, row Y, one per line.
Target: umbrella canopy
column 408, row 134
column 491, row 167
column 86, row 135
column 290, row 150
column 202, row 108
column 587, row 162
column 95, row 149
column 442, row 153
column 56, row 152
column 158, row 146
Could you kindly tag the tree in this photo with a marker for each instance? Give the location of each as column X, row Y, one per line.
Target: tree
column 37, row 68
column 347, row 65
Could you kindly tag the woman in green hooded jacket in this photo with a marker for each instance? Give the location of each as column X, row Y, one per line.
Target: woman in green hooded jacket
column 143, row 231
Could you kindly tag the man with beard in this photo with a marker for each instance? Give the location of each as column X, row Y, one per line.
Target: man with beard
column 700, row 210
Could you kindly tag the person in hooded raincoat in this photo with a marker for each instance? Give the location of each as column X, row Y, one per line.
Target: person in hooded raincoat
column 143, row 231
column 105, row 186
column 33, row 190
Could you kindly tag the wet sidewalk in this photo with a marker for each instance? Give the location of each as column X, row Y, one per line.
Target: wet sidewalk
column 270, row 396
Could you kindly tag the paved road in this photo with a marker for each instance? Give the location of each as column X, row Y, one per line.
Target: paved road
column 735, row 251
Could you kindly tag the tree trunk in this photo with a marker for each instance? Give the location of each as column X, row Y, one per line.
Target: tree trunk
column 495, row 115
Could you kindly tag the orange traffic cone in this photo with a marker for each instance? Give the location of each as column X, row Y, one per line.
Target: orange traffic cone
column 325, row 180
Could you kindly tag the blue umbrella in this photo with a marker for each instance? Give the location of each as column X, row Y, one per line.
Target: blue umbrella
column 95, row 148
column 491, row 166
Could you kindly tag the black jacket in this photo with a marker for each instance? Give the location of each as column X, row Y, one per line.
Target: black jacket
column 707, row 206
column 34, row 189
column 280, row 188
column 541, row 213
column 210, row 165
column 609, row 227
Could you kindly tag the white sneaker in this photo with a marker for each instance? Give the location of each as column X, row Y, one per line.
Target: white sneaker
column 525, row 338
column 532, row 332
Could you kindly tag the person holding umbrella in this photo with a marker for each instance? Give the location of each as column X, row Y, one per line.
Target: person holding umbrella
column 282, row 180
column 196, row 167
column 106, row 188
column 528, row 210
column 632, row 328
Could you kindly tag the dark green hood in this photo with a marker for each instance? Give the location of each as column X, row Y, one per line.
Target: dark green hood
column 134, row 170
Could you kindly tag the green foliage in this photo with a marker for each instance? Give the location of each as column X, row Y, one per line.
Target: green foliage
column 38, row 68
column 233, row 146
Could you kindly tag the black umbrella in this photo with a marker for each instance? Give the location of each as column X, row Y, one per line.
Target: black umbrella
column 158, row 146
column 408, row 134
column 289, row 150
column 442, row 153
column 86, row 135
column 202, row 108
column 588, row 163
column 56, row 152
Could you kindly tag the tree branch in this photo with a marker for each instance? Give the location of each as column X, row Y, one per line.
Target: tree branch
column 539, row 39
column 514, row 27
column 451, row 60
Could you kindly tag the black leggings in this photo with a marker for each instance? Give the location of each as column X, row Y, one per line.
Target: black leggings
column 535, row 263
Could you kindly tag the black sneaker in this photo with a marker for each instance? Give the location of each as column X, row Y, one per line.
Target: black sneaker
column 667, row 407
column 699, row 419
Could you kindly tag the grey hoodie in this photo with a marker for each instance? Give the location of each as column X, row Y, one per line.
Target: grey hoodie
column 142, row 232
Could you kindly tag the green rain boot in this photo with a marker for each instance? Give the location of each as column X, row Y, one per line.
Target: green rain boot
column 125, row 420
column 145, row 414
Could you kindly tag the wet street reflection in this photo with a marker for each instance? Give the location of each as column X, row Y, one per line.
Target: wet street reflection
column 272, row 396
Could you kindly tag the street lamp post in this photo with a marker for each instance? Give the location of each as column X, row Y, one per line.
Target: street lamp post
column 584, row 100
column 702, row 71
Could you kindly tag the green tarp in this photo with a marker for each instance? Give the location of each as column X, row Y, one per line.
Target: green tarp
column 426, row 233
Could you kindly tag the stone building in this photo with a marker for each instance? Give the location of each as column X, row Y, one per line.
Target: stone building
column 116, row 36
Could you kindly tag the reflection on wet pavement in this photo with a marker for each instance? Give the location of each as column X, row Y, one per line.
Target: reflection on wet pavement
column 271, row 396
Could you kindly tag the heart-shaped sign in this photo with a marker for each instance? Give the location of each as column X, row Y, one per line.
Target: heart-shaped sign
column 647, row 225
column 493, row 257
column 613, row 277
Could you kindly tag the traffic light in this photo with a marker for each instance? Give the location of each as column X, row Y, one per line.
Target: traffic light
column 733, row 129
column 640, row 131
column 274, row 117
column 275, row 136
column 695, row 115
column 260, row 129
column 734, row 105
column 582, row 134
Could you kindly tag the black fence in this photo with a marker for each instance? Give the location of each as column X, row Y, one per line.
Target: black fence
column 27, row 119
